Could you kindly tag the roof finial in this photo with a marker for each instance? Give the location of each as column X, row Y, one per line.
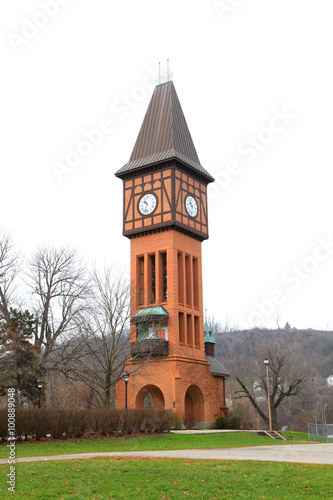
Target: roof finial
column 164, row 77
column 169, row 74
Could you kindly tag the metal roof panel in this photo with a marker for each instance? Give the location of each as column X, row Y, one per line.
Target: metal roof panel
column 216, row 368
column 164, row 134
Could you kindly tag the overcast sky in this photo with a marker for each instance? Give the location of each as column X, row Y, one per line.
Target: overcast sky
column 254, row 79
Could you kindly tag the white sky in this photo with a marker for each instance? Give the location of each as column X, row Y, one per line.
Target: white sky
column 236, row 67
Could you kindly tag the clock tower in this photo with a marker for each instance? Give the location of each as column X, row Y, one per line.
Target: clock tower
column 165, row 215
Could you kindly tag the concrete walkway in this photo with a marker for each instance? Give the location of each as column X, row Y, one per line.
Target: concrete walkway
column 298, row 453
column 208, row 431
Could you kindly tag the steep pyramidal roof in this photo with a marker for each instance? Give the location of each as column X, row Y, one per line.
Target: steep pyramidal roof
column 209, row 337
column 164, row 134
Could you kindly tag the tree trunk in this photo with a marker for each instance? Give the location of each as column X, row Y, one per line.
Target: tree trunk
column 107, row 388
column 274, row 417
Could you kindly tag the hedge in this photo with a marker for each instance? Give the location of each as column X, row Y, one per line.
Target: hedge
column 62, row 423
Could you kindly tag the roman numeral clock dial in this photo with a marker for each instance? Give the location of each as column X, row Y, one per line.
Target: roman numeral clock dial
column 191, row 206
column 147, row 204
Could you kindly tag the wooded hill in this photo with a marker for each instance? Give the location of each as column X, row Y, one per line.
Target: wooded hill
column 316, row 345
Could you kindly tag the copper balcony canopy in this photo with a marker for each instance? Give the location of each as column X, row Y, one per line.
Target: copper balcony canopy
column 164, row 135
column 151, row 314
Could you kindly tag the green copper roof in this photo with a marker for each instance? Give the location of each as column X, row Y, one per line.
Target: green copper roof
column 147, row 314
column 209, row 337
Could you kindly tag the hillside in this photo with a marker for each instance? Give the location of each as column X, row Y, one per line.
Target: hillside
column 316, row 346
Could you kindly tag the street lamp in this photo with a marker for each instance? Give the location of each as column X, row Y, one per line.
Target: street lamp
column 126, row 377
column 39, row 385
column 324, row 421
column 266, row 362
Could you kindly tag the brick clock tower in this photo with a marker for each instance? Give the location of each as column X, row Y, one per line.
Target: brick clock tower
column 165, row 216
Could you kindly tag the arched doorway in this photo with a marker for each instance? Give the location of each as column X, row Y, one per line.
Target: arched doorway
column 148, row 401
column 150, row 396
column 194, row 406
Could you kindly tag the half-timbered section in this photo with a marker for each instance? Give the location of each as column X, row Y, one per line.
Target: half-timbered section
column 159, row 185
column 188, row 185
column 170, row 187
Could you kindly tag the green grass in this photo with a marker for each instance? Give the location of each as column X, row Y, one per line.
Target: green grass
column 296, row 437
column 99, row 479
column 321, row 439
column 143, row 443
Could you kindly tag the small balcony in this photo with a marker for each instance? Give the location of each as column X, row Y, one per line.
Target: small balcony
column 154, row 348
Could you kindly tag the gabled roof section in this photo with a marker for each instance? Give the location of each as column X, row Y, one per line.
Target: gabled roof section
column 164, row 135
column 216, row 368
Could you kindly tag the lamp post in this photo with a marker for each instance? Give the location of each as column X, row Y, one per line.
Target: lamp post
column 126, row 377
column 266, row 362
column 39, row 385
column 324, row 421
column 316, row 425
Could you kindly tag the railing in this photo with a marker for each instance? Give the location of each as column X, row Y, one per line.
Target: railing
column 149, row 347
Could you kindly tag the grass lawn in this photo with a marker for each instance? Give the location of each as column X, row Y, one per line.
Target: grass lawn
column 155, row 442
column 99, row 479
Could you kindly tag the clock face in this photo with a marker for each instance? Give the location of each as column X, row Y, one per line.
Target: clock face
column 191, row 206
column 147, row 204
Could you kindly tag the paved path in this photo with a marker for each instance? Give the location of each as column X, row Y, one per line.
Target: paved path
column 302, row 453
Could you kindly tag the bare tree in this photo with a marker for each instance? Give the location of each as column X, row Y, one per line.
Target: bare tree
column 97, row 354
column 8, row 273
column 277, row 316
column 65, row 393
column 59, row 286
column 216, row 326
column 288, row 375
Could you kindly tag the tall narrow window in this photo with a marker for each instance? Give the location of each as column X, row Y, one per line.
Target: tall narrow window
column 189, row 330
column 181, row 328
column 141, row 280
column 188, row 281
column 152, row 273
column 180, row 278
column 164, row 278
column 197, row 331
column 195, row 282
